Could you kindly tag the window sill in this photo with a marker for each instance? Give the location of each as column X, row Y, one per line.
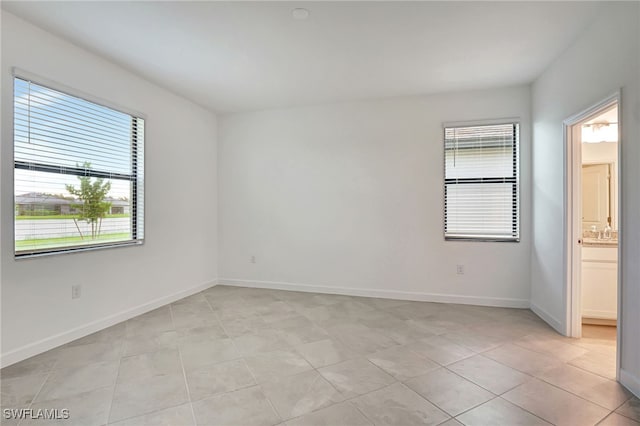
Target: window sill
column 483, row 239
column 77, row 249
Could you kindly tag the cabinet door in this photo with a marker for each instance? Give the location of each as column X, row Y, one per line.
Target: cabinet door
column 599, row 290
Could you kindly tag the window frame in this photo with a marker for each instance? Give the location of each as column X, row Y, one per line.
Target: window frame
column 136, row 162
column 516, row 176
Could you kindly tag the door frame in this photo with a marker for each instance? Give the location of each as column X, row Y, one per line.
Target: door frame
column 573, row 222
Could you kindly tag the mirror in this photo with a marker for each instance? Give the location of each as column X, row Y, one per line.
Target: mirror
column 600, row 170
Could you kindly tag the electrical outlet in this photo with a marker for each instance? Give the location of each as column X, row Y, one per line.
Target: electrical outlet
column 76, row 291
column 460, row 269
column 252, row 259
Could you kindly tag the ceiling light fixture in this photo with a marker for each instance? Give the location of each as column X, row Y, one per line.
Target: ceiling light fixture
column 600, row 132
column 300, row 14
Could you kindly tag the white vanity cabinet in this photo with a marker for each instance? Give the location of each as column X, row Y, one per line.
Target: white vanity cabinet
column 600, row 282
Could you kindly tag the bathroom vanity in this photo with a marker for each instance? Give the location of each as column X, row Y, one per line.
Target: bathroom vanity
column 599, row 280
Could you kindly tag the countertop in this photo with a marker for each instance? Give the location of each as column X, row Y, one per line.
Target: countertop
column 594, row 242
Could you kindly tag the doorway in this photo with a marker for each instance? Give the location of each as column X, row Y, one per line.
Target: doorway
column 593, row 221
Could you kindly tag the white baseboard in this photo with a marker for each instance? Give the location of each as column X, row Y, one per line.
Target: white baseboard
column 606, row 315
column 386, row 294
column 630, row 381
column 548, row 318
column 51, row 342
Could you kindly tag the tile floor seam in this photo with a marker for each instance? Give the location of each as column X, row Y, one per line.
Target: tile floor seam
column 426, row 399
column 620, row 406
column 469, row 409
column 575, row 394
column 273, row 407
column 319, row 408
column 155, row 411
column 328, row 381
column 233, row 343
column 322, row 408
column 517, row 369
column 589, row 371
column 215, row 314
column 493, row 349
column 293, row 375
column 549, row 421
column 115, row 384
column 512, row 403
column 524, row 409
column 489, row 390
column 515, row 342
column 256, row 383
column 463, row 378
column 425, row 356
column 473, row 408
column 358, row 409
column 556, row 386
column 350, row 400
column 605, row 418
column 471, row 381
column 37, row 393
column 184, row 373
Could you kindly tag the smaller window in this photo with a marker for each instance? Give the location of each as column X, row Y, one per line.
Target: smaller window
column 481, row 182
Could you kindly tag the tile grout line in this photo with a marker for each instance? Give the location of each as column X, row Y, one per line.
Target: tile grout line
column 509, row 402
column 530, row 376
column 605, row 418
column 233, row 343
column 184, row 373
column 365, row 357
column 320, row 375
column 589, row 371
column 563, row 364
column 33, row 400
column 136, row 416
column 115, row 382
column 575, row 394
column 359, row 410
column 262, row 391
column 552, row 385
column 619, row 406
column 474, row 407
column 242, row 357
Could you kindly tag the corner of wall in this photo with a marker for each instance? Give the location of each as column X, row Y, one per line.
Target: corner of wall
column 548, row 318
column 630, row 381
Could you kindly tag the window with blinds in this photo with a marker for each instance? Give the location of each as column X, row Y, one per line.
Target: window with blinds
column 78, row 173
column 481, row 189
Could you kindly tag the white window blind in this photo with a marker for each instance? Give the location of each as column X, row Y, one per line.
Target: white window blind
column 78, row 173
column 482, row 182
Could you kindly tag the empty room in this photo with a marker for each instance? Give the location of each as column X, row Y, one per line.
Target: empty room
column 335, row 213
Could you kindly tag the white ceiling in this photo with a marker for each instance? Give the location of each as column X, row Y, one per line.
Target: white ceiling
column 608, row 116
column 238, row 56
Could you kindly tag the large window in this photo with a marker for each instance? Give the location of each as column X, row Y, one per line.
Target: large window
column 481, row 191
column 78, row 173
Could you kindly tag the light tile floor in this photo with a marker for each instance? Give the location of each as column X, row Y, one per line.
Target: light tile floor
column 240, row 356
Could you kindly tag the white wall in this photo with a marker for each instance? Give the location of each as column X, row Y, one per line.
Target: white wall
column 179, row 253
column 348, row 198
column 602, row 60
